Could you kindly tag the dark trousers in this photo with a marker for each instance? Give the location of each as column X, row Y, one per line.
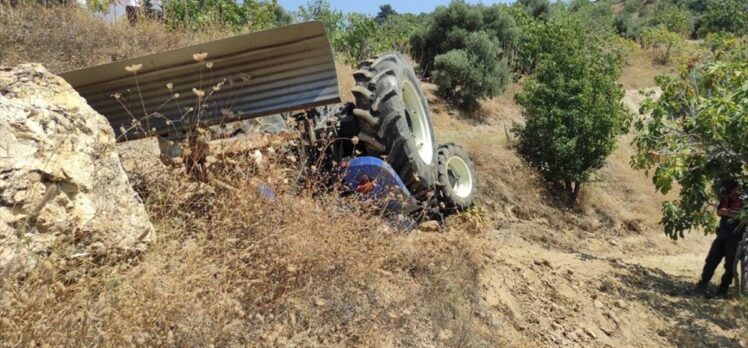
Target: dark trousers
column 132, row 13
column 724, row 246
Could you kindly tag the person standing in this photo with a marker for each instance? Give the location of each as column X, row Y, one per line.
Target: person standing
column 725, row 245
column 132, row 8
column 155, row 10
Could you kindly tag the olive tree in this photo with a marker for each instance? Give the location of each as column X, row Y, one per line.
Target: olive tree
column 464, row 75
column 664, row 43
column 464, row 47
column 573, row 108
column 696, row 134
column 725, row 16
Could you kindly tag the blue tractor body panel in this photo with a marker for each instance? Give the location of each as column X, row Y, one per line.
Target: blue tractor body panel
column 361, row 170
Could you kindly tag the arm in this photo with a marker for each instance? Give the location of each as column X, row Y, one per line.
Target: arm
column 725, row 209
column 724, row 212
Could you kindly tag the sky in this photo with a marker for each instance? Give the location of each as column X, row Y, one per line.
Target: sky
column 372, row 6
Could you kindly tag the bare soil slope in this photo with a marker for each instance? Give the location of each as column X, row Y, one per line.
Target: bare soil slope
column 600, row 275
column 231, row 268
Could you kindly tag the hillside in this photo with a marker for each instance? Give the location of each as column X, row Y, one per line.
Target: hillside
column 519, row 271
column 601, row 275
column 232, row 268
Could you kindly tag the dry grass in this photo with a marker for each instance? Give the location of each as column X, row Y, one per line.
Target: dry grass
column 642, row 66
column 620, row 202
column 68, row 38
column 232, row 267
column 346, row 81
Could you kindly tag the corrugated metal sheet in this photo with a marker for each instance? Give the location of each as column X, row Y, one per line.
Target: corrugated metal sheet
column 262, row 73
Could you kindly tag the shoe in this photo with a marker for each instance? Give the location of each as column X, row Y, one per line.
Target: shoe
column 718, row 296
column 722, row 293
column 701, row 289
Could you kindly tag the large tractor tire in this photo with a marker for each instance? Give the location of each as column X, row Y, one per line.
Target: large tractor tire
column 394, row 121
column 457, row 181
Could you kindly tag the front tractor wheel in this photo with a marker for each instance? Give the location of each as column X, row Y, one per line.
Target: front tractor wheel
column 457, row 179
column 393, row 116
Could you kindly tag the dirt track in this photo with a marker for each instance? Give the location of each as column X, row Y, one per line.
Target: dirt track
column 602, row 275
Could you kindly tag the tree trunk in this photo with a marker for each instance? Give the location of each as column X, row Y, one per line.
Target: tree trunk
column 571, row 191
column 575, row 192
column 186, row 16
column 667, row 53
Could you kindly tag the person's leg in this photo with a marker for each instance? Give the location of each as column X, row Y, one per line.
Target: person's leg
column 716, row 253
column 731, row 248
column 132, row 14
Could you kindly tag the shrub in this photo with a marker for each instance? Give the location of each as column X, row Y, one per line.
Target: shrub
column 320, row 10
column 663, row 42
column 574, row 112
column 197, row 15
column 695, row 133
column 629, row 26
column 676, row 19
column 356, row 36
column 539, row 9
column 597, row 17
column 725, row 16
column 465, row 75
column 465, row 48
column 385, row 12
column 362, row 36
column 637, row 18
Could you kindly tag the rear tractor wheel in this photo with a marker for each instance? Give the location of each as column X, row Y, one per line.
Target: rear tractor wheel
column 394, row 121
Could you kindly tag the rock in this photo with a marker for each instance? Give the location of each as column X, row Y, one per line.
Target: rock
column 61, row 179
column 598, row 304
column 580, row 335
column 429, row 226
column 590, row 333
column 607, row 330
column 445, row 334
column 621, row 304
column 613, row 317
column 543, row 262
column 613, row 242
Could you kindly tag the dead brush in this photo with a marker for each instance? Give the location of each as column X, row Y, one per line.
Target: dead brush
column 65, row 38
column 233, row 266
column 236, row 266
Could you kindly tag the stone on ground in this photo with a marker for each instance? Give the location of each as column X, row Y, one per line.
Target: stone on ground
column 62, row 186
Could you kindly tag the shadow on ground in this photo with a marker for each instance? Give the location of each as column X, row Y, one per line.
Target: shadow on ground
column 690, row 315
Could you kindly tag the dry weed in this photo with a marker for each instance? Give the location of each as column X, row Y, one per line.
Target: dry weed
column 233, row 266
column 64, row 38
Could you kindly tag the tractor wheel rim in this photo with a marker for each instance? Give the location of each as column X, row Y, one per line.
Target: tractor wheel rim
column 419, row 121
column 460, row 177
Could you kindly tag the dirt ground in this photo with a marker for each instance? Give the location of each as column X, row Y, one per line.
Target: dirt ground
column 600, row 275
column 519, row 270
column 603, row 274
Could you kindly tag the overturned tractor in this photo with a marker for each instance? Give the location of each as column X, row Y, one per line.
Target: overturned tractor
column 282, row 83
